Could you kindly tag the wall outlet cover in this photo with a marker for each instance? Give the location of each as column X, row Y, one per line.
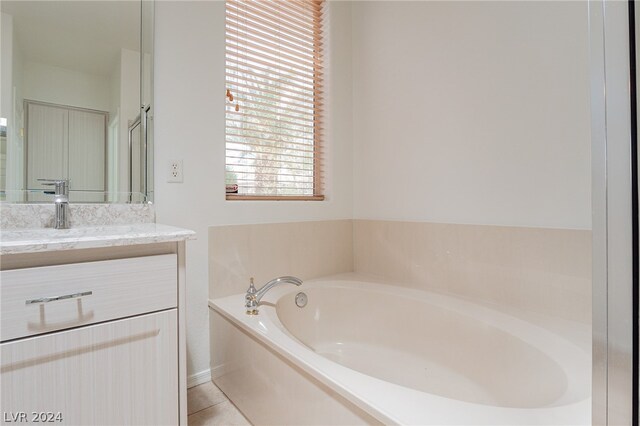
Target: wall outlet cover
column 175, row 171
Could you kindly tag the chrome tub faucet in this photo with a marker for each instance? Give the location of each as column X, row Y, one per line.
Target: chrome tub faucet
column 253, row 296
column 60, row 199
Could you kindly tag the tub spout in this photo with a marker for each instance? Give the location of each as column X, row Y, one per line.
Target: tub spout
column 253, row 296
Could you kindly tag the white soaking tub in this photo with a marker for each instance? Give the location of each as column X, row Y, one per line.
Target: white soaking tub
column 393, row 355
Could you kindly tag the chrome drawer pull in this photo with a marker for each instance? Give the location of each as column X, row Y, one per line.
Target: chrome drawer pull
column 53, row 299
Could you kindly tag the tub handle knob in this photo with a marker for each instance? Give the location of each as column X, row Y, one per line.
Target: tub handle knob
column 301, row 300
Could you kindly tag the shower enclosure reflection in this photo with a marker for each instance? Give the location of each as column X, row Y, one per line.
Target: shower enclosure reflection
column 76, row 84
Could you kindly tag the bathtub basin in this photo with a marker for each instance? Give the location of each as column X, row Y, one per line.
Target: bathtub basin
column 413, row 357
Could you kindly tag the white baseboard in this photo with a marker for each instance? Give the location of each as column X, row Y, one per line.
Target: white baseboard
column 199, row 378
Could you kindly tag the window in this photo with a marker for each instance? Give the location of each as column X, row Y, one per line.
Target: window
column 274, row 99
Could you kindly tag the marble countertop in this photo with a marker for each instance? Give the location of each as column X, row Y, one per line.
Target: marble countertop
column 18, row 241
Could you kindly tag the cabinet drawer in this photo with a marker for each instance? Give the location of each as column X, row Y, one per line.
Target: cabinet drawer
column 39, row 300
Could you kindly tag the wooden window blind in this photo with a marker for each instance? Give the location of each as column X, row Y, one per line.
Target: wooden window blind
column 274, row 79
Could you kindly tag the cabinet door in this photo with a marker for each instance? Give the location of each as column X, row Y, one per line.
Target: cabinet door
column 122, row 372
column 87, row 137
column 47, row 134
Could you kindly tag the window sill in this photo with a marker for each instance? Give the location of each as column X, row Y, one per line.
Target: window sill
column 235, row 197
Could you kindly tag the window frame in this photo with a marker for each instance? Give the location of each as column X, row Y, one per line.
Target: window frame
column 319, row 12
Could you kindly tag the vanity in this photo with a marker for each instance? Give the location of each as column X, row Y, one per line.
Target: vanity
column 92, row 325
column 92, row 318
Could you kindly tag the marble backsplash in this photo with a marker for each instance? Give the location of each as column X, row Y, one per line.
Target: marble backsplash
column 28, row 216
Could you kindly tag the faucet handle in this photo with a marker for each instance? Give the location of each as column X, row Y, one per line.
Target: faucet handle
column 250, row 300
column 61, row 186
column 252, row 287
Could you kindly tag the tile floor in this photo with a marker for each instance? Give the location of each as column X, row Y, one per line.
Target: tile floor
column 208, row 406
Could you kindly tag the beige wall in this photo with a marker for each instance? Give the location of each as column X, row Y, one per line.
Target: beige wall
column 303, row 249
column 62, row 86
column 472, row 112
column 547, row 271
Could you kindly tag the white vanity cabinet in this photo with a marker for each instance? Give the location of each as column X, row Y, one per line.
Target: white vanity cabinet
column 94, row 336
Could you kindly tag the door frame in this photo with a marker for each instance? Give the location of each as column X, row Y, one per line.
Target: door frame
column 615, row 251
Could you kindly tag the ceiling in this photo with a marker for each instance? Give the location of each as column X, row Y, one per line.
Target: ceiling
column 81, row 35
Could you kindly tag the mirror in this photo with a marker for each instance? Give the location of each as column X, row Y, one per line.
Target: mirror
column 76, row 100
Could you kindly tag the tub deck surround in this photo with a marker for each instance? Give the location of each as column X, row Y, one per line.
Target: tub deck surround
column 536, row 269
column 539, row 378
column 263, row 251
column 21, row 241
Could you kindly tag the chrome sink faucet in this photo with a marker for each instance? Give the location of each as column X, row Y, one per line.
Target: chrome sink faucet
column 253, row 296
column 60, row 199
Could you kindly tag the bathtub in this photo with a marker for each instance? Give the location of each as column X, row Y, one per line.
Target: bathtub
column 364, row 352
